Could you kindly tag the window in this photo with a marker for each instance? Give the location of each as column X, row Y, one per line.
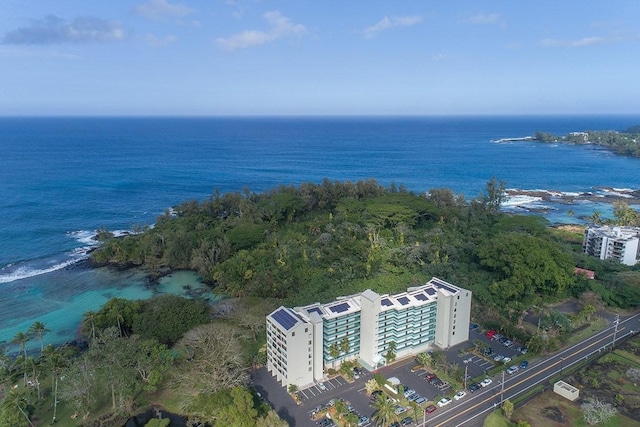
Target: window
column 310, row 368
column 293, row 334
column 453, row 333
column 309, row 342
column 306, row 330
column 458, row 296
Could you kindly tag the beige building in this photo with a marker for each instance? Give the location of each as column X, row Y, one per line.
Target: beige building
column 363, row 327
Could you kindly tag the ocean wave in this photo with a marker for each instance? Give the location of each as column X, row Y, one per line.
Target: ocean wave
column 12, row 272
column 25, row 269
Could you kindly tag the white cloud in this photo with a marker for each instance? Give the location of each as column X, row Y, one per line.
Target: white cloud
column 36, row 53
column 484, row 19
column 55, row 30
column 441, row 57
column 156, row 41
column 161, row 9
column 586, row 41
column 386, row 23
column 280, row 27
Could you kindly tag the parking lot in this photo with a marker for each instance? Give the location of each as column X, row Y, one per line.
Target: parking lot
column 320, row 395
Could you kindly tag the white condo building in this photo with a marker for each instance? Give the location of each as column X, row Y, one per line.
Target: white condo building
column 303, row 341
column 618, row 243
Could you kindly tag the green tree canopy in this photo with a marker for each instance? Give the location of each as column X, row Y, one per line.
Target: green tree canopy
column 166, row 318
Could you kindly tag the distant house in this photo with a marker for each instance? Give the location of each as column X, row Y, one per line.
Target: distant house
column 584, row 272
column 617, row 243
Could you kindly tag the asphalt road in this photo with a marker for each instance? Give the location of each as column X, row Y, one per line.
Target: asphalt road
column 470, row 411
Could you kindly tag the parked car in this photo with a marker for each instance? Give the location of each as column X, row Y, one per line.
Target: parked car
column 512, row 370
column 414, row 397
column 363, row 420
column 506, row 359
column 406, row 421
column 408, row 392
column 473, row 326
column 488, row 351
column 443, row 402
column 485, row 382
column 420, row 400
column 429, row 376
column 523, row 350
column 459, row 395
column 429, row 409
column 473, row 387
column 394, row 424
column 524, row 364
column 325, row 422
column 322, row 387
column 490, row 334
column 498, row 357
column 400, row 409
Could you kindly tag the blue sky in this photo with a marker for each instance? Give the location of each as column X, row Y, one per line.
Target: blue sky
column 299, row 57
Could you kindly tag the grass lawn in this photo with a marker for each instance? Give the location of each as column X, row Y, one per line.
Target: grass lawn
column 496, row 419
column 596, row 326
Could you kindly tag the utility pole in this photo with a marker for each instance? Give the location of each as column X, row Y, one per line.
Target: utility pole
column 465, row 376
column 615, row 331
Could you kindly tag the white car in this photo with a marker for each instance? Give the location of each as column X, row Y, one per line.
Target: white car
column 506, row 359
column 512, row 370
column 443, row 402
column 485, row 382
column 459, row 395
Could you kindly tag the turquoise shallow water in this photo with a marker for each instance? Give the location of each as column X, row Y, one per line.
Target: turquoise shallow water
column 63, row 178
column 60, row 298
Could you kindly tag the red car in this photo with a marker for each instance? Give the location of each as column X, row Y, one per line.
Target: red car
column 429, row 409
column 490, row 334
column 429, row 377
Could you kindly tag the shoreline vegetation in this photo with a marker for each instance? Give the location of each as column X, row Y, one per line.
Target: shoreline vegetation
column 625, row 143
column 291, row 246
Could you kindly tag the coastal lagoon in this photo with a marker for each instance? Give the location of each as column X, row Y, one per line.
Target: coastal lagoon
column 63, row 178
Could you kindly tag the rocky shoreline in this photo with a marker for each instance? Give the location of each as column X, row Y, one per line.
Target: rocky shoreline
column 600, row 194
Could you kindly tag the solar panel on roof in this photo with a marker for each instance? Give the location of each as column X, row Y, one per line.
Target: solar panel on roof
column 443, row 285
column 386, row 302
column 286, row 320
column 403, row 300
column 430, row 291
column 339, row 308
column 421, row 297
column 315, row 310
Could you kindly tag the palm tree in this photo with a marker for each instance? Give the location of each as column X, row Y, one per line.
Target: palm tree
column 390, row 355
column 89, row 318
column 385, row 411
column 4, row 370
column 423, row 359
column 38, row 329
column 22, row 339
column 334, row 352
column 19, row 401
column 34, row 369
column 345, row 346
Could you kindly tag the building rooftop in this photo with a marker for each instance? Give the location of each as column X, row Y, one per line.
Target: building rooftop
column 413, row 297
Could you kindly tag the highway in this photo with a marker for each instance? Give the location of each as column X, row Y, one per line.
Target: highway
column 471, row 410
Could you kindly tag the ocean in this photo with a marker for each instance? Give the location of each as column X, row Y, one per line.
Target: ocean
column 61, row 179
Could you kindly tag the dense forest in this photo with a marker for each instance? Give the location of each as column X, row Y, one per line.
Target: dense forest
column 318, row 241
column 625, row 143
column 291, row 246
